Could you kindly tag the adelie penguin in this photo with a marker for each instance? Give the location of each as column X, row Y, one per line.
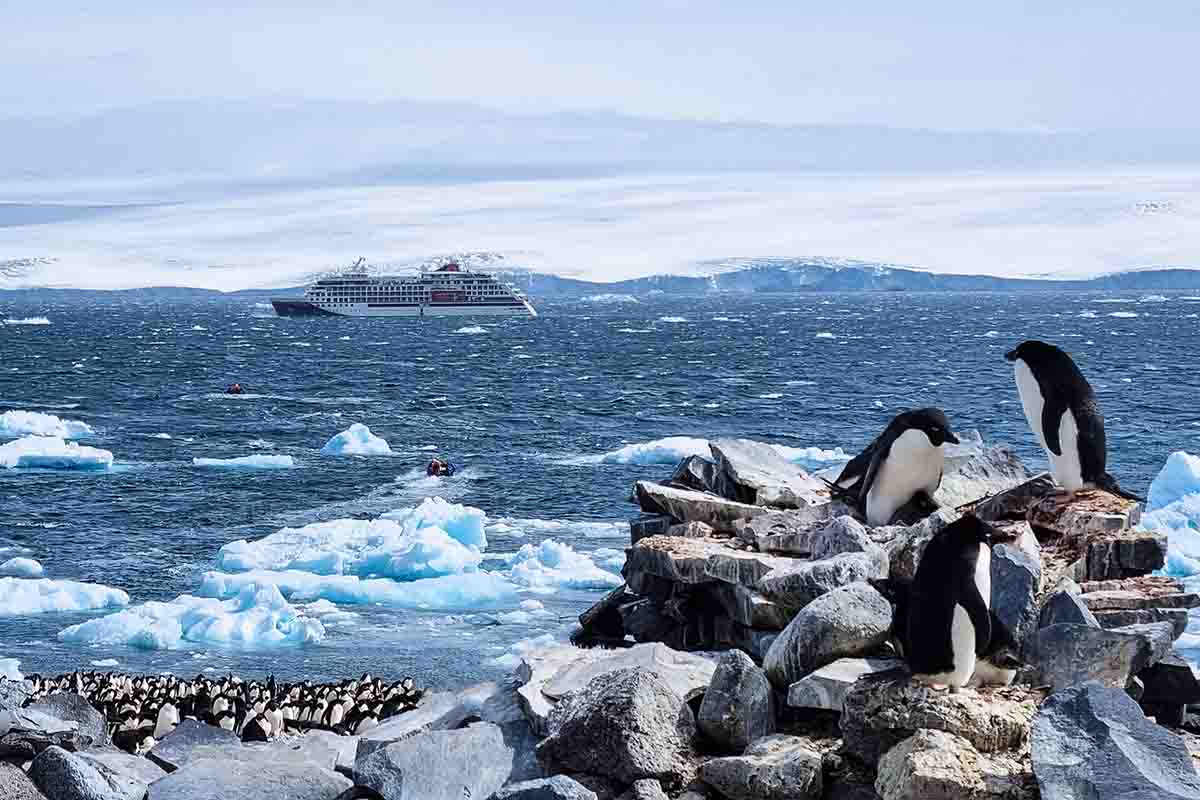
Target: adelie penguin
column 949, row 619
column 904, row 461
column 1062, row 411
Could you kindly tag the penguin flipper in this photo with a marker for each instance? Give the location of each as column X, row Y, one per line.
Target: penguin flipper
column 1055, row 406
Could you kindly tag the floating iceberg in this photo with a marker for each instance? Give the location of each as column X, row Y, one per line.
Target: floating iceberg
column 27, row 321
column 23, row 423
column 472, row 591
column 529, row 612
column 257, row 616
column 357, row 440
column 670, row 450
column 432, row 539
column 247, row 462
column 10, row 668
column 553, row 565
column 52, row 452
column 22, row 596
column 22, row 568
column 812, row 457
column 1173, row 508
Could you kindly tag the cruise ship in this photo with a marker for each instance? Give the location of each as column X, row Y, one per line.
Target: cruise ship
column 448, row 290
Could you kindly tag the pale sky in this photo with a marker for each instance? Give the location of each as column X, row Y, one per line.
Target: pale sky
column 929, row 63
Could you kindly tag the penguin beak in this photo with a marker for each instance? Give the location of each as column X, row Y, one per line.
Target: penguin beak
column 951, row 438
column 1011, row 355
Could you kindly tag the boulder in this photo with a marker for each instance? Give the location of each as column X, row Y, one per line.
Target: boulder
column 1066, row 606
column 603, row 619
column 645, row 621
column 1014, row 503
column 16, row 785
column 797, row 583
column 994, row 470
column 111, row 776
column 738, row 707
column 558, row 787
column 761, row 476
column 848, row 622
column 689, row 675
column 625, row 725
column 1092, row 741
column 742, row 568
column 645, row 789
column 844, row 534
column 827, row 688
column 73, row 708
column 1064, row 655
column 701, row 475
column 906, row 544
column 24, row 733
column 935, row 765
column 219, row 779
column 1016, row 583
column 474, row 761
column 1170, row 682
column 773, row 768
column 684, row 505
column 881, row 712
column 649, row 525
column 176, row 747
column 1096, row 515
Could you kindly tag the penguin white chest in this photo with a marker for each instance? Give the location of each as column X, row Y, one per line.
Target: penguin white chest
column 1066, row 468
column 913, row 464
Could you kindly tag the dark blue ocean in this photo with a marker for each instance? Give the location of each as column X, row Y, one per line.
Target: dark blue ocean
column 527, row 408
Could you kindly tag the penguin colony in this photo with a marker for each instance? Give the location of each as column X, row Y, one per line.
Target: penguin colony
column 942, row 622
column 142, row 709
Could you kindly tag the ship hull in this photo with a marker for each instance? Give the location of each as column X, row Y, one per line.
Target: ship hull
column 287, row 307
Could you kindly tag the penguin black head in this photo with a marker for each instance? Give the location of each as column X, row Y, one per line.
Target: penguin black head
column 1033, row 352
column 932, row 421
column 969, row 528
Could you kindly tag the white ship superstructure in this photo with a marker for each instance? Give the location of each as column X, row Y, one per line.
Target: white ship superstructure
column 446, row 291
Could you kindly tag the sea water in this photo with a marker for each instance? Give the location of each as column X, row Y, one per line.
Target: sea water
column 227, row 533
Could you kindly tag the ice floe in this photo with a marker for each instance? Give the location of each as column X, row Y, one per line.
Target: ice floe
column 553, row 565
column 106, row 662
column 10, row 668
column 24, row 423
column 432, row 539
column 23, row 596
column 520, row 526
column 470, row 591
column 256, row 616
column 673, row 319
column 527, row 613
column 52, row 452
column 246, row 462
column 22, row 568
column 825, row 335
column 673, row 449
column 1173, row 508
column 475, row 329
column 357, row 440
column 27, row 321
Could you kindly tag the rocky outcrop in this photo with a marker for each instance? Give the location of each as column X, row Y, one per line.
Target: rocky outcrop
column 177, row 747
column 625, row 725
column 935, row 765
column 880, row 713
column 73, row 708
column 219, row 779
column 24, row 733
column 685, row 505
column 847, row 622
column 739, row 706
column 993, row 470
column 1065, row 655
column 1092, row 741
column 760, row 476
column 773, row 768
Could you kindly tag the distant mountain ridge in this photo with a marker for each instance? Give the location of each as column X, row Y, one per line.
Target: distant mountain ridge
column 737, row 276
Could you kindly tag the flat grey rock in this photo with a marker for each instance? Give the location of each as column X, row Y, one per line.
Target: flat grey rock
column 1092, row 741
column 686, row 505
column 24, row 733
column 558, row 787
column 439, row 765
column 624, row 725
column 176, row 747
column 994, row 470
column 1014, row 503
column 687, row 673
column 738, row 706
column 827, row 687
column 773, row 768
column 216, row 779
column 73, row 708
column 848, row 622
column 71, row 776
column 761, row 476
column 1065, row 655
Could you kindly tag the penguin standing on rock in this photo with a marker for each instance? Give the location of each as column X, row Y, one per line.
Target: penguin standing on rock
column 949, row 605
column 904, row 461
column 1062, row 411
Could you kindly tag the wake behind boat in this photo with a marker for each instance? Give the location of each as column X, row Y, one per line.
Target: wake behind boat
column 448, row 290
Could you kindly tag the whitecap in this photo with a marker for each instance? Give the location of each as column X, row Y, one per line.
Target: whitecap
column 27, row 321
column 246, row 462
column 825, row 335
column 1124, row 314
column 472, row 329
column 673, row 319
